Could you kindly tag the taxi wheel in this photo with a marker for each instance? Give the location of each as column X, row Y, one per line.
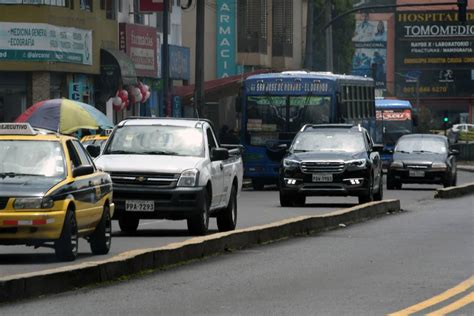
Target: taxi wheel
column 199, row 224
column 101, row 239
column 227, row 218
column 66, row 246
column 128, row 224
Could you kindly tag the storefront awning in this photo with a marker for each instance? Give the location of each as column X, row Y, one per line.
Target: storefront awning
column 217, row 88
column 126, row 66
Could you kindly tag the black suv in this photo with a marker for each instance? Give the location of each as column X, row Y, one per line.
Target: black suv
column 332, row 160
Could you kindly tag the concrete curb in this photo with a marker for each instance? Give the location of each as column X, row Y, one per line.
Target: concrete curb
column 466, row 168
column 452, row 192
column 62, row 279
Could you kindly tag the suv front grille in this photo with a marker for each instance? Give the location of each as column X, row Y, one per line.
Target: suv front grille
column 166, row 180
column 322, row 166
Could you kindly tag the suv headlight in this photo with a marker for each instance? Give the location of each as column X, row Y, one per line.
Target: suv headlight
column 439, row 165
column 35, row 202
column 290, row 163
column 396, row 164
column 357, row 163
column 188, row 178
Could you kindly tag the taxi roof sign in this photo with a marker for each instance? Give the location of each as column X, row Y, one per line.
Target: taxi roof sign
column 16, row 129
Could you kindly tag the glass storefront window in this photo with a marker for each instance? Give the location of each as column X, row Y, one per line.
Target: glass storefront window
column 12, row 95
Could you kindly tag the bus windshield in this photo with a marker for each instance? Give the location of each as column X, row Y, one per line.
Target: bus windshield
column 272, row 117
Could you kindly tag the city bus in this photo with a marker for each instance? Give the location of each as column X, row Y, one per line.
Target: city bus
column 394, row 118
column 274, row 106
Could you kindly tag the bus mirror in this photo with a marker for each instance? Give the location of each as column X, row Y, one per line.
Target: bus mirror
column 238, row 105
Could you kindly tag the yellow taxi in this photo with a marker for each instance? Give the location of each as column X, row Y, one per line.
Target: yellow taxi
column 51, row 192
column 97, row 139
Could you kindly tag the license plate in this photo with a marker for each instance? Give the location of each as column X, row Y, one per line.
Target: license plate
column 139, row 206
column 416, row 173
column 322, row 177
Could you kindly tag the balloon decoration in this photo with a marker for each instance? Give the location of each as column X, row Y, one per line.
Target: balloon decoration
column 123, row 98
column 120, row 101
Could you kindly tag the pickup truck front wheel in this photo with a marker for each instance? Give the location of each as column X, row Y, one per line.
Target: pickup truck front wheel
column 227, row 218
column 199, row 224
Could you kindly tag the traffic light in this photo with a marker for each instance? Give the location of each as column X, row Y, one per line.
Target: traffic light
column 445, row 119
column 462, row 7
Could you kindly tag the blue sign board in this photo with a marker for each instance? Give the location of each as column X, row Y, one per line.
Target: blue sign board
column 179, row 62
column 226, row 38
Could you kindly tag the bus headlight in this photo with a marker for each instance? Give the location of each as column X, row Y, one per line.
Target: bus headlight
column 290, row 163
column 33, row 203
column 188, row 178
column 356, row 163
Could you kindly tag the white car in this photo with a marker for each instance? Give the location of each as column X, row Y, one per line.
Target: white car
column 463, row 127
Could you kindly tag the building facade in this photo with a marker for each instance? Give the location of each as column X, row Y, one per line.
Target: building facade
column 52, row 50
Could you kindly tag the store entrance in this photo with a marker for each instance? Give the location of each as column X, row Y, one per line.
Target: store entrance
column 12, row 95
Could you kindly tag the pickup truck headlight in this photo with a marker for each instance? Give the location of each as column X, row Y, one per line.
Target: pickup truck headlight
column 397, row 164
column 439, row 165
column 357, row 163
column 33, row 203
column 290, row 163
column 188, row 178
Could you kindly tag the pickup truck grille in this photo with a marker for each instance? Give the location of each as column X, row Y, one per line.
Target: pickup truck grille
column 322, row 166
column 165, row 180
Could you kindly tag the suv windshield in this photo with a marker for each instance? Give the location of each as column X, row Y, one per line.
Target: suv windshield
column 326, row 141
column 157, row 140
column 31, row 158
column 416, row 144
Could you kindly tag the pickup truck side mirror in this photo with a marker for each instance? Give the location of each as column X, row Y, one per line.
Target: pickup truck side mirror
column 93, row 150
column 219, row 154
column 82, row 170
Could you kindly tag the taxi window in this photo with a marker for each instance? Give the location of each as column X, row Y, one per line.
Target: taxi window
column 83, row 156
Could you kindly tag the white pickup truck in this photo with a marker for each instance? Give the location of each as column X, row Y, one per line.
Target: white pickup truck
column 167, row 168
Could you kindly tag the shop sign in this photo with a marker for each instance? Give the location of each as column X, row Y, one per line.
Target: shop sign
column 150, row 5
column 45, row 42
column 179, row 62
column 439, row 48
column 139, row 43
column 75, row 91
column 226, row 38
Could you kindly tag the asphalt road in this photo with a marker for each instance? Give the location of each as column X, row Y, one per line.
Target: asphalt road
column 373, row 268
column 255, row 208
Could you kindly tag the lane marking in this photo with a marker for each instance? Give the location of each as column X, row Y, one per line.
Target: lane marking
column 461, row 287
column 466, row 300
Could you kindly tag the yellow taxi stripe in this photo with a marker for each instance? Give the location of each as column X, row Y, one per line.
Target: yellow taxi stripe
column 466, row 300
column 461, row 287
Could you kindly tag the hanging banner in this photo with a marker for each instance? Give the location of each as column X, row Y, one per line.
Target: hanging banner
column 226, row 38
column 45, row 42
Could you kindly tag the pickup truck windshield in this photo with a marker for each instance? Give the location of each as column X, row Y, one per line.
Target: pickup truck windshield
column 157, row 140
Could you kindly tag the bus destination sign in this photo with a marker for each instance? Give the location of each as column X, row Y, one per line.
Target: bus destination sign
column 286, row 87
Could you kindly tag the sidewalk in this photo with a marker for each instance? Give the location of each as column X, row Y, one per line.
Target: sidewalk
column 468, row 168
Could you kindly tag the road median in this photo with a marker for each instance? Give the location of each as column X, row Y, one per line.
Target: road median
column 453, row 192
column 62, row 279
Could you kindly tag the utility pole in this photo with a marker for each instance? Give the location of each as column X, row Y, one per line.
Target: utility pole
column 199, row 63
column 308, row 59
column 329, row 53
column 165, row 61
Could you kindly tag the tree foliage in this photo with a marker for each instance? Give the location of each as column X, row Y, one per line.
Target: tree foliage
column 343, row 31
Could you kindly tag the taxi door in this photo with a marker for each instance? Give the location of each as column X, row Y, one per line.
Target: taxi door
column 86, row 188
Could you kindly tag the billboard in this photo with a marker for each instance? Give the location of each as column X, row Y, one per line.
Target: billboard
column 370, row 43
column 226, row 38
column 435, row 50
